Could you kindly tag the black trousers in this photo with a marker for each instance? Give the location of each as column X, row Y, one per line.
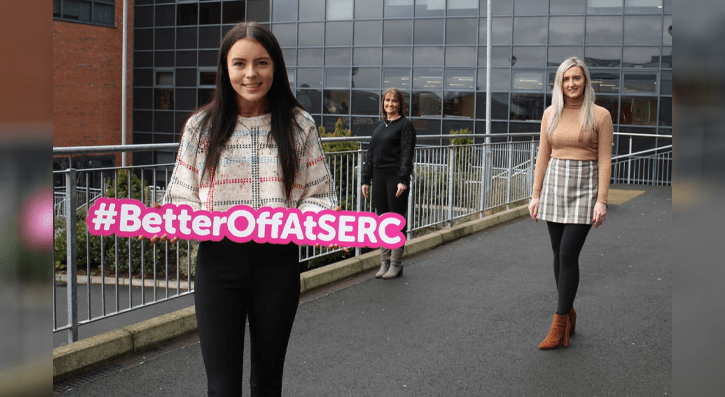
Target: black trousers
column 238, row 281
column 385, row 185
column 567, row 241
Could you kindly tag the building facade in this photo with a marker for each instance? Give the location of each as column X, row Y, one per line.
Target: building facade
column 342, row 54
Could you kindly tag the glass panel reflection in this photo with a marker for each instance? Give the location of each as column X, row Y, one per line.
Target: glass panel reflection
column 366, row 56
column 363, row 126
column 527, row 106
column 566, row 30
column 500, row 79
column 605, row 81
column 460, row 56
column 365, row 102
column 365, row 77
column 530, row 30
column 646, row 83
column 641, row 57
column 286, row 34
column 499, row 106
column 641, row 30
column 428, row 56
column 557, row 55
column 455, row 125
column 461, row 31
column 528, row 56
column 567, row 7
column 337, row 78
column 284, row 10
column 368, row 33
column 667, row 30
column 338, row 10
column 530, row 7
column 309, row 77
column 329, row 122
column 603, row 56
column 428, row 31
column 462, row 7
column 666, row 82
column 310, row 100
column 397, row 32
column 528, row 80
column 459, row 104
column 501, row 29
column 642, row 6
column 426, row 103
column 666, row 57
column 460, row 79
column 396, row 78
column 369, row 9
column 665, row 118
column 429, row 8
column 396, row 56
column 338, row 33
column 164, row 98
column 338, row 56
column 610, row 103
column 309, row 57
column 638, row 110
column 604, row 6
column 604, row 30
column 336, row 101
column 500, row 56
column 398, row 8
column 428, row 78
column 310, row 34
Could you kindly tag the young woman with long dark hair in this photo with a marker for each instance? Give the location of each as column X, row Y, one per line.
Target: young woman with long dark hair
column 253, row 145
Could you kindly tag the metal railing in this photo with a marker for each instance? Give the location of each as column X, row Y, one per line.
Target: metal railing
column 450, row 183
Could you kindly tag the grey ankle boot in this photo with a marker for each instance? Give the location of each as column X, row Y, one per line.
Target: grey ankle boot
column 396, row 264
column 384, row 262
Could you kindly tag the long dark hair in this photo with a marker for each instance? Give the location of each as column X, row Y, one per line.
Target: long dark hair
column 220, row 115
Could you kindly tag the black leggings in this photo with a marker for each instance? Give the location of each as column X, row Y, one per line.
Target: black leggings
column 235, row 281
column 567, row 240
column 385, row 185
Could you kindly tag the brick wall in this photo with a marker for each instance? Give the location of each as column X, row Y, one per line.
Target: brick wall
column 87, row 70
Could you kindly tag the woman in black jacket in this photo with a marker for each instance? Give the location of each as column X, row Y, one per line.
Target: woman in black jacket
column 390, row 164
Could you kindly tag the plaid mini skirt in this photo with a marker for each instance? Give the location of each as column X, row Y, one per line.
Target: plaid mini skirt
column 569, row 192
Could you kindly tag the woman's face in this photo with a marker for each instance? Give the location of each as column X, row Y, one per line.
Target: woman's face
column 573, row 83
column 251, row 72
column 391, row 105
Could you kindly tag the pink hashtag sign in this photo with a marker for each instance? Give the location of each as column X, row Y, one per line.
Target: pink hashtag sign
column 241, row 223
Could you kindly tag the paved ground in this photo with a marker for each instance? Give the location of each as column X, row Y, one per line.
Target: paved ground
column 466, row 320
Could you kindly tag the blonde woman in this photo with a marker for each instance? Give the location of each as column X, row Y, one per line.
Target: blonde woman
column 571, row 183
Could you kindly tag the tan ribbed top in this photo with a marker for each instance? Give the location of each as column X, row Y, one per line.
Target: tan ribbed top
column 567, row 143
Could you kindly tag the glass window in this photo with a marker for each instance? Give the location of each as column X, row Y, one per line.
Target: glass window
column 365, row 77
column 286, row 34
column 530, row 30
column 529, row 56
column 163, row 59
column 482, row 32
column 164, row 39
column 642, row 6
column 641, row 57
column 284, row 10
column 142, row 98
column 426, row 103
column 428, row 78
column 339, row 10
column 640, row 83
column 667, row 57
column 185, row 58
column 291, row 76
column 396, row 78
column 164, row 98
column 309, row 77
column 165, row 78
column 603, row 56
column 665, row 118
column 530, row 7
column 526, row 107
column 143, row 59
column 338, row 33
column 667, row 30
column 81, row 11
column 499, row 7
column 164, row 16
column 186, row 77
column 143, row 16
column 398, row 8
column 557, row 55
column 310, row 100
column 428, row 31
column 257, row 10
column 208, row 57
column 186, row 38
column 428, row 56
column 141, row 121
column 210, row 13
column 462, row 7
column 207, row 78
column 604, row 30
column 312, row 10
column 641, row 30
column 369, row 9
column 567, row 7
column 362, row 126
column 500, row 56
column 290, row 56
column 501, row 31
column 499, row 79
column 209, row 37
column 397, row 32
column 499, row 106
column 566, row 30
column 461, row 31
column 338, row 56
column 455, row 125
column 604, row 81
column 429, row 8
column 103, row 13
column 611, row 103
column 233, row 12
column 528, row 80
column 311, row 34
column 666, row 82
column 366, row 56
column 461, row 56
column 460, row 79
column 638, row 110
column 396, row 56
column 204, row 96
column 163, row 122
column 329, row 122
column 336, row 102
column 368, row 32
column 604, row 6
column 459, row 104
column 143, row 77
column 309, row 57
column 337, row 78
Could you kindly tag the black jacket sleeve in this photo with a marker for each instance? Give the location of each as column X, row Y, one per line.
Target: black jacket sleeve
column 367, row 169
column 407, row 153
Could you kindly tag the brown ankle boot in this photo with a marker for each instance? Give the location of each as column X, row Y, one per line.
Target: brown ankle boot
column 558, row 334
column 572, row 320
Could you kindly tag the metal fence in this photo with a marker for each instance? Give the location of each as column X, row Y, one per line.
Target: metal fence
column 450, row 183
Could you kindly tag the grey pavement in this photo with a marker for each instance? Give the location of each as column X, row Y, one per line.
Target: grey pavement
column 466, row 319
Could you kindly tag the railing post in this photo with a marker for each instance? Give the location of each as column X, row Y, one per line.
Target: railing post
column 530, row 173
column 629, row 162
column 451, row 163
column 411, row 201
column 484, row 157
column 358, row 184
column 71, row 244
column 509, row 175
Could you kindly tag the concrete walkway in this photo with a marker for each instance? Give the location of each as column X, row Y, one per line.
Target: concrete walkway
column 465, row 320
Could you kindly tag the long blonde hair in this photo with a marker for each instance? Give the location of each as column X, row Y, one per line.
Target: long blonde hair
column 586, row 114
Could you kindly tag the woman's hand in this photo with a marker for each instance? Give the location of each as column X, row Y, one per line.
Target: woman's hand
column 365, row 189
column 600, row 212
column 401, row 189
column 156, row 239
column 335, row 246
column 534, row 208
